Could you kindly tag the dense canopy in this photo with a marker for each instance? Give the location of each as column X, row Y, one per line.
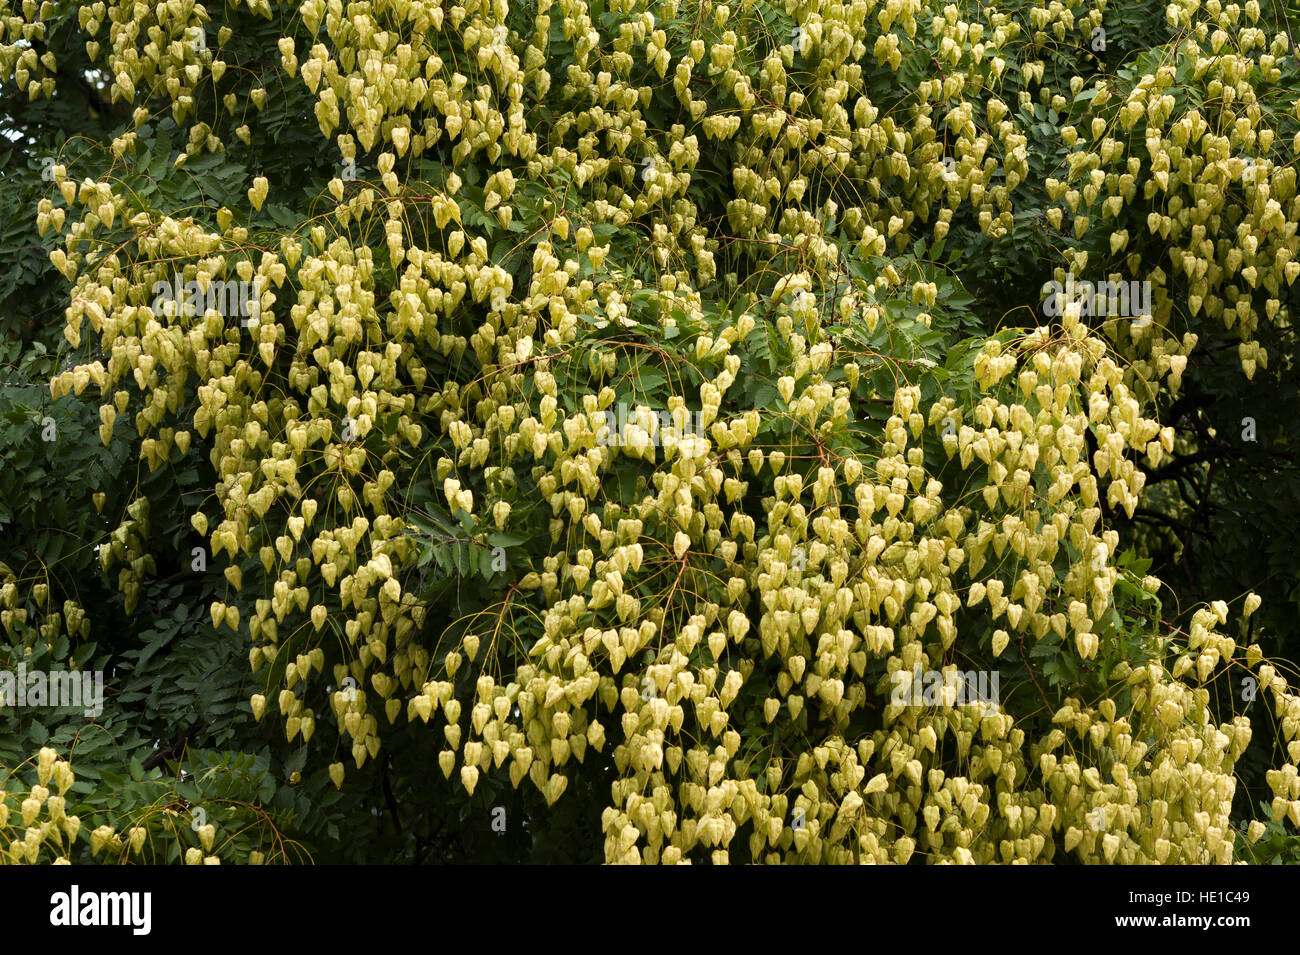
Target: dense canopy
column 633, row 431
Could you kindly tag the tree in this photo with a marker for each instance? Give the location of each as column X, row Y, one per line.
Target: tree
column 610, row 432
